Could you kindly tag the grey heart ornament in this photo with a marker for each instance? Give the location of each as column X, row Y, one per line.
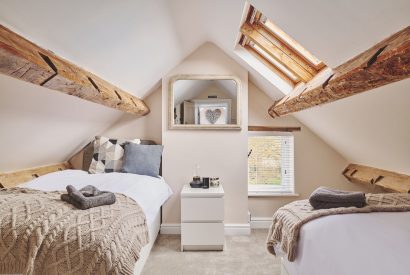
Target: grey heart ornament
column 213, row 115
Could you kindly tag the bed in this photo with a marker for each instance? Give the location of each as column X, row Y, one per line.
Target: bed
column 149, row 192
column 353, row 244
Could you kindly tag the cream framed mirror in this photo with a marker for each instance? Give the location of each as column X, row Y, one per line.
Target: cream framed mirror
column 204, row 102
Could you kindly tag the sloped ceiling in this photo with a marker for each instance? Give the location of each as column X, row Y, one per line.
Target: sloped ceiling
column 39, row 126
column 371, row 128
column 333, row 31
column 134, row 43
column 128, row 43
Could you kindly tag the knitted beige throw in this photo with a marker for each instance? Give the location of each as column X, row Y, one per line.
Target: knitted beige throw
column 288, row 220
column 40, row 234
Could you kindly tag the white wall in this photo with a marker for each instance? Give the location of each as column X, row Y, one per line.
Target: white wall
column 219, row 153
column 316, row 163
column 39, row 126
column 146, row 127
column 372, row 128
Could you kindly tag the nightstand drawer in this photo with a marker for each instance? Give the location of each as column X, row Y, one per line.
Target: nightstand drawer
column 202, row 209
column 202, row 234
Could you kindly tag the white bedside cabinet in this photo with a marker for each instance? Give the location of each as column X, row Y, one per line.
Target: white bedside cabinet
column 202, row 218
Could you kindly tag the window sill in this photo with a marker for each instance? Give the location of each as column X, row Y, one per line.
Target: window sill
column 271, row 194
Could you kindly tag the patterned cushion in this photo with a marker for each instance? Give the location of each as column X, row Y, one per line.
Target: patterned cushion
column 108, row 155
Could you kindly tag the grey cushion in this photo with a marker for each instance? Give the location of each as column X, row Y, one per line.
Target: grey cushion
column 88, row 155
column 142, row 159
column 89, row 151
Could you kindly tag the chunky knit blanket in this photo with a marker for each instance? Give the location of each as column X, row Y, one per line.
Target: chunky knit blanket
column 40, row 234
column 288, row 220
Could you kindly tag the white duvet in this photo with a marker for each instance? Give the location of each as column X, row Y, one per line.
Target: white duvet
column 150, row 193
column 354, row 244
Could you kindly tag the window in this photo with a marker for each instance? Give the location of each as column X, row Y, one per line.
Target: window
column 270, row 165
column 277, row 50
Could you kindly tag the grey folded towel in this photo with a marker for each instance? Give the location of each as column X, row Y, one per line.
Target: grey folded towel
column 324, row 198
column 87, row 197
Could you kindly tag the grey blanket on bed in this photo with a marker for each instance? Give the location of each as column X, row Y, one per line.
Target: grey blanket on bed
column 288, row 220
column 324, row 198
column 87, row 197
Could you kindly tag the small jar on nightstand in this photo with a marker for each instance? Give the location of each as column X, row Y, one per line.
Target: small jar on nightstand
column 202, row 218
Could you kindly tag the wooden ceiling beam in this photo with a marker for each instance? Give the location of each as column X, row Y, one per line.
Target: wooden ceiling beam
column 384, row 63
column 388, row 180
column 26, row 61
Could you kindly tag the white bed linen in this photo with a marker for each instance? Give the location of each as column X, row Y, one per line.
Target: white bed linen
column 354, row 244
column 150, row 193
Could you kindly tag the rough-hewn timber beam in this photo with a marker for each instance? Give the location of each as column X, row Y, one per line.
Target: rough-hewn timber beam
column 386, row 179
column 26, row 61
column 384, row 63
column 11, row 179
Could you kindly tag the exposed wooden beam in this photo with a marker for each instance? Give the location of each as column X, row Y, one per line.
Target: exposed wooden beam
column 388, row 180
column 11, row 179
column 273, row 129
column 26, row 61
column 384, row 63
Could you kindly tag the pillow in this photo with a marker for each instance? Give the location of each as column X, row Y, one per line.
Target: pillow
column 88, row 152
column 88, row 155
column 108, row 155
column 142, row 159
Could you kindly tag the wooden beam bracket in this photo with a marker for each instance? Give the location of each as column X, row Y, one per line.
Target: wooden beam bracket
column 388, row 180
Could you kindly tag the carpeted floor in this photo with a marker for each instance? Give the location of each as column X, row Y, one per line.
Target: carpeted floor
column 243, row 255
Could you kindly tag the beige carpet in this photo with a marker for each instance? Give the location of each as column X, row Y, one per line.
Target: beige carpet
column 245, row 255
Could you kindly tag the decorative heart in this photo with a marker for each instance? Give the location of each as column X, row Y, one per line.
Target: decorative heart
column 213, row 115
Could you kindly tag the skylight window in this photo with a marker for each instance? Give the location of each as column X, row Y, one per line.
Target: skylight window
column 277, row 50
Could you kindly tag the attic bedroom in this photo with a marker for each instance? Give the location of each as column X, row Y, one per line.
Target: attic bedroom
column 205, row 137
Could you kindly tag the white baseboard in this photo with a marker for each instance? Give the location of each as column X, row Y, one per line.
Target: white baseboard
column 230, row 229
column 170, row 229
column 237, row 229
column 261, row 222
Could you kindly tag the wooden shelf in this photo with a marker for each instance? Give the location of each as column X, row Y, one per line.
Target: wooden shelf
column 388, row 180
column 272, row 129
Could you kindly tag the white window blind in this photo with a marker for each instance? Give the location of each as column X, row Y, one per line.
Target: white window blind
column 271, row 164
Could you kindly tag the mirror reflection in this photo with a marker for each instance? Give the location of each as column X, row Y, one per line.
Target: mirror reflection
column 205, row 102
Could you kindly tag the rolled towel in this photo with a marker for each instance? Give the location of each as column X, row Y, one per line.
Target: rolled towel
column 90, row 191
column 324, row 198
column 87, row 197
